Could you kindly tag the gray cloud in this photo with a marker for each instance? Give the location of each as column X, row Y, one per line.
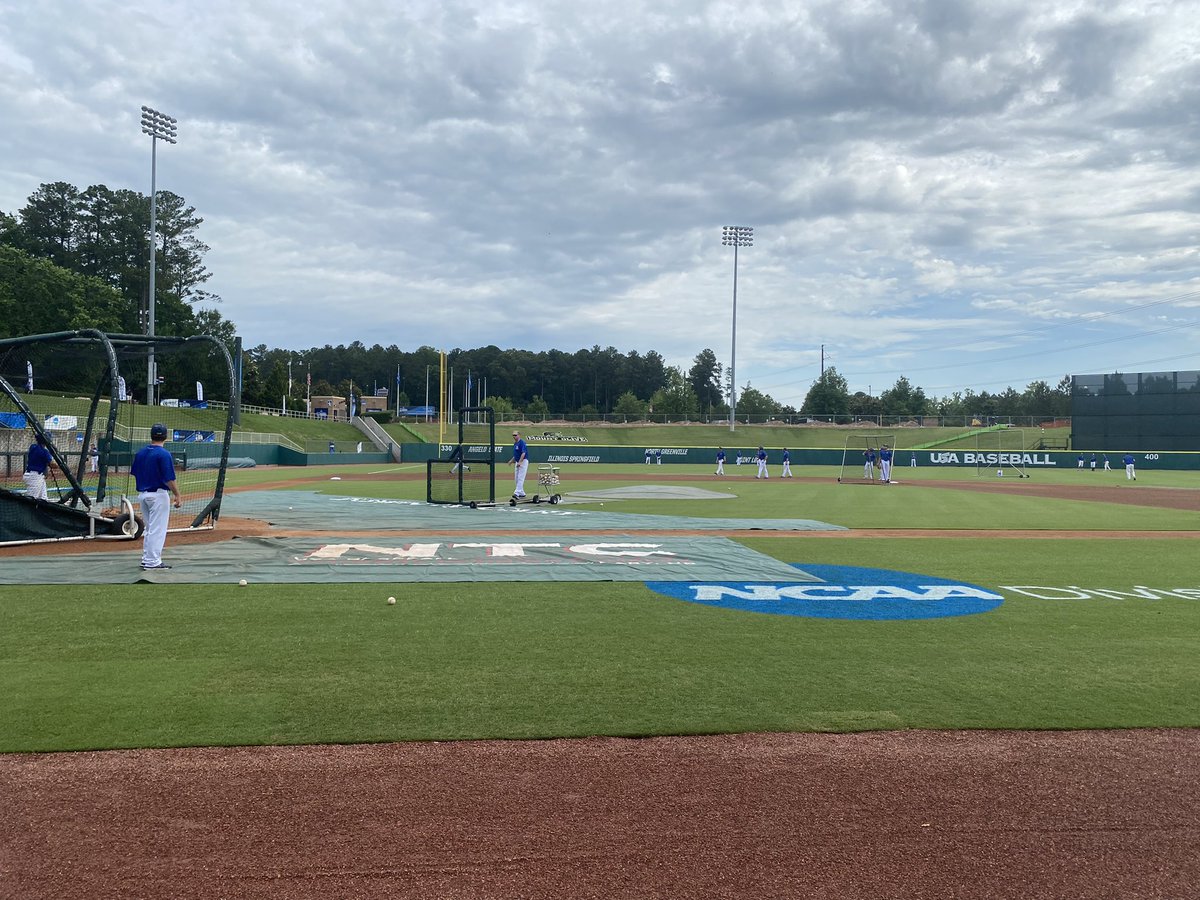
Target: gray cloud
column 922, row 176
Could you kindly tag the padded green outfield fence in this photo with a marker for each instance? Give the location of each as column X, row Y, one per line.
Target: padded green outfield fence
column 584, row 454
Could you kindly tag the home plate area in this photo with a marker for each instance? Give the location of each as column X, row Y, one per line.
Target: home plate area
column 308, row 510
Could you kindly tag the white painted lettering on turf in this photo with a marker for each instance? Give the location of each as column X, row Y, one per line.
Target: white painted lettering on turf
column 505, row 549
column 413, row 551
column 1076, row 592
column 619, row 550
column 492, row 549
column 861, row 593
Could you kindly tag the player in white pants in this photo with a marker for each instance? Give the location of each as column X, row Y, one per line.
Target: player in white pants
column 720, row 461
column 156, row 511
column 869, row 464
column 520, row 464
column 885, row 464
column 1130, row 475
column 153, row 470
column 761, row 456
column 37, row 464
column 787, row 464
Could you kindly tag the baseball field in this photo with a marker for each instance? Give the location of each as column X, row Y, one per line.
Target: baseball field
column 974, row 686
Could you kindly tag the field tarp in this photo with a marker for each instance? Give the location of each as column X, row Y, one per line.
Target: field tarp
column 420, row 558
column 308, row 509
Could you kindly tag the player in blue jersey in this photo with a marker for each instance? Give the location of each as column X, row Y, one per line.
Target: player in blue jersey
column 869, row 464
column 520, row 464
column 885, row 464
column 153, row 471
column 761, row 456
column 787, row 464
column 37, row 464
column 720, row 461
column 1130, row 475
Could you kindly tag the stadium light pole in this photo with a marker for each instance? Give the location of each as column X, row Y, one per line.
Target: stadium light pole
column 160, row 127
column 735, row 236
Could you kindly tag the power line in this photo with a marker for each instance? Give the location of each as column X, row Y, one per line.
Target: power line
column 774, row 385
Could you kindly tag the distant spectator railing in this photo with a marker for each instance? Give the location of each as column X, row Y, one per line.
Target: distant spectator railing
column 268, row 411
column 255, row 437
column 1047, row 421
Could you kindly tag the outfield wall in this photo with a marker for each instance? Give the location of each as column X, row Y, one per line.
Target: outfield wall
column 577, row 454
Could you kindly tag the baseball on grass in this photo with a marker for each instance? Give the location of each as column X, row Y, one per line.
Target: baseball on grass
column 242, row 582
column 391, row 601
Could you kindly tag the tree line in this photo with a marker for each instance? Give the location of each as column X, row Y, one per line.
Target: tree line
column 830, row 396
column 74, row 258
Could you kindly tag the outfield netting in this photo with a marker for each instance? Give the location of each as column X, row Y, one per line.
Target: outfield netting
column 79, row 391
column 466, row 472
column 856, row 467
column 999, row 451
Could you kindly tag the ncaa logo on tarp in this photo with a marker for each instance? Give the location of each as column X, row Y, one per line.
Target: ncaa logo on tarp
column 842, row 592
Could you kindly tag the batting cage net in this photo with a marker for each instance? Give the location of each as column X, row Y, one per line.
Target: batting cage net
column 466, row 473
column 1000, row 451
column 82, row 395
column 857, row 466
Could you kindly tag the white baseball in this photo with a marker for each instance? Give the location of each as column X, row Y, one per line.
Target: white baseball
column 391, row 601
column 242, row 582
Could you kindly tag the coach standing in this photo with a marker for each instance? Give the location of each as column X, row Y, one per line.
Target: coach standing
column 520, row 464
column 153, row 470
column 37, row 464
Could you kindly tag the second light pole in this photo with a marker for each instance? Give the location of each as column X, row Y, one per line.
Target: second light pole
column 735, row 236
column 160, row 127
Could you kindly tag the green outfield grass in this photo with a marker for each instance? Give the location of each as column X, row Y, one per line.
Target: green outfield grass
column 175, row 665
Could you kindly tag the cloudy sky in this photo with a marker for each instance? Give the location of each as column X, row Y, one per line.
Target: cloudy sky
column 971, row 194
